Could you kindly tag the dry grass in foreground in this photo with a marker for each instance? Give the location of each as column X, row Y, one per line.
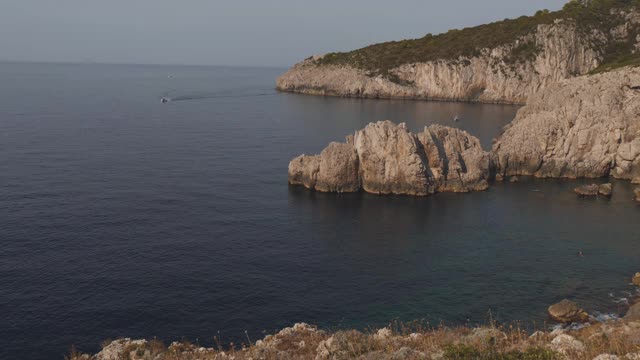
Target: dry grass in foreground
column 603, row 341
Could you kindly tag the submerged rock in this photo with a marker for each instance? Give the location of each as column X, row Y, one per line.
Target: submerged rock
column 583, row 127
column 567, row 311
column 385, row 158
column 605, row 189
column 587, row 190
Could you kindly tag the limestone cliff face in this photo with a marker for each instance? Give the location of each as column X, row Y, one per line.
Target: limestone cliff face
column 455, row 159
column 583, row 127
column 492, row 77
column 385, row 158
column 334, row 170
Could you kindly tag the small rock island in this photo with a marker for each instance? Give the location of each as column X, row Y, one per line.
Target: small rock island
column 385, row 158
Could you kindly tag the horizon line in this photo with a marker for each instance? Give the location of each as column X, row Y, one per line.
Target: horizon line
column 75, row 62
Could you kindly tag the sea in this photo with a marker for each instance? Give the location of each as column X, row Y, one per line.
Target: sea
column 122, row 216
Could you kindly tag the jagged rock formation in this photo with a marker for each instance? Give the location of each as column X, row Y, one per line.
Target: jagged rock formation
column 391, row 160
column 583, row 127
column 385, row 158
column 334, row 170
column 456, row 159
column 559, row 47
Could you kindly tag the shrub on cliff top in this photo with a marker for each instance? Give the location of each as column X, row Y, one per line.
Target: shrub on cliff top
column 379, row 59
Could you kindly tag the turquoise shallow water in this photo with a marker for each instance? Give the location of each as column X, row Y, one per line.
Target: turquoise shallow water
column 121, row 216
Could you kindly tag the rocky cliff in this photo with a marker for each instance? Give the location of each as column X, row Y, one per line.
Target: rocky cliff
column 583, row 127
column 476, row 64
column 385, row 158
column 587, row 126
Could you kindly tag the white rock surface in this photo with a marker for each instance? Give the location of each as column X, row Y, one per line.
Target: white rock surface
column 115, row 350
column 489, row 77
column 567, row 345
column 584, row 127
column 385, row 158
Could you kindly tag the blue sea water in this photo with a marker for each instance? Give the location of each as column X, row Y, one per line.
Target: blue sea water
column 121, row 216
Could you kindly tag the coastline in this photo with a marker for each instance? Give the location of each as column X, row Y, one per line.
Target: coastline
column 321, row 93
column 589, row 338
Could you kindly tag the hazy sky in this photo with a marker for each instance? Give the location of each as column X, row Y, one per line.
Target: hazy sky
column 226, row 32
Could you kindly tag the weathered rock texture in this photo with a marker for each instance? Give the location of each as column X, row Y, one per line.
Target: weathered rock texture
column 583, row 127
column 633, row 313
column 559, row 50
column 334, row 170
column 605, row 189
column 385, row 158
column 567, row 311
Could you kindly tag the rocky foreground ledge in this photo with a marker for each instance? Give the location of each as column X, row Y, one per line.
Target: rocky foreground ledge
column 615, row 340
column 587, row 127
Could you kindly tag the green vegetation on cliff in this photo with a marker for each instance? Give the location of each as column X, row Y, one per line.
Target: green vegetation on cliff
column 378, row 59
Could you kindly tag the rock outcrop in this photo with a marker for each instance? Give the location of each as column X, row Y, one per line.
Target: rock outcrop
column 633, row 314
column 583, row 127
column 391, row 160
column 334, row 170
column 567, row 311
column 595, row 190
column 303, row 341
column 605, row 189
column 385, row 158
column 587, row 190
column 567, row 345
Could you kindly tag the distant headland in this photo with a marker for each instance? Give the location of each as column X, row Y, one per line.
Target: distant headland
column 501, row 62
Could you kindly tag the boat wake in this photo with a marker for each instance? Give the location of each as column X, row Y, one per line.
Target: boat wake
column 214, row 96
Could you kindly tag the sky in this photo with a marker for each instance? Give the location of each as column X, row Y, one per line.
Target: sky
column 273, row 33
